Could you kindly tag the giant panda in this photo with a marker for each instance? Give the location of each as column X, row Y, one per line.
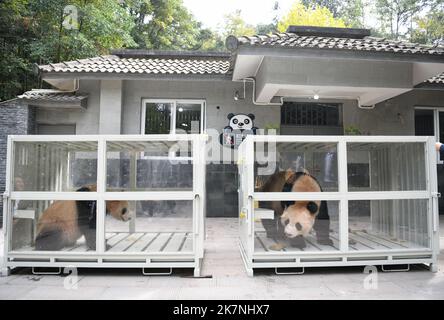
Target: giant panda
column 293, row 220
column 65, row 221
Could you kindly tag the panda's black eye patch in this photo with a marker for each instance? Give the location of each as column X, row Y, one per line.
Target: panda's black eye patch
column 287, row 222
column 312, row 207
column 235, row 121
column 247, row 121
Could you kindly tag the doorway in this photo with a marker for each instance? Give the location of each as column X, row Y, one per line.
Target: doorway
column 429, row 121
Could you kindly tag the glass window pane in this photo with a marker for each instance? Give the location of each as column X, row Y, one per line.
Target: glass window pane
column 318, row 159
column 157, row 226
column 158, row 118
column 424, row 123
column 46, row 225
column 149, row 166
column 188, row 118
column 296, row 232
column 54, row 166
column 388, row 224
column 386, row 166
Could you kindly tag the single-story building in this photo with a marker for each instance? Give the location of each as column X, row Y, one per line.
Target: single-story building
column 307, row 81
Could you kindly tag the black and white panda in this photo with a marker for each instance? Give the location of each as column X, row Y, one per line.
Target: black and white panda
column 241, row 122
column 66, row 221
column 295, row 219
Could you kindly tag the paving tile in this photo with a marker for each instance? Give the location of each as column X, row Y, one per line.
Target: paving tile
column 60, row 293
column 8, row 292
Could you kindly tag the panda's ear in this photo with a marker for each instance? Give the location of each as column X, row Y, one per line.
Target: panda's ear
column 252, row 117
column 84, row 189
column 230, row 115
column 312, row 207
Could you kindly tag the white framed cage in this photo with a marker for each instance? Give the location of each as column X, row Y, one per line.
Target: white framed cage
column 380, row 191
column 156, row 180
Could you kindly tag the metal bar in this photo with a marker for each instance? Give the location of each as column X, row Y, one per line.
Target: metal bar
column 157, row 273
column 343, row 203
column 47, row 273
column 353, row 195
column 396, row 270
column 289, row 273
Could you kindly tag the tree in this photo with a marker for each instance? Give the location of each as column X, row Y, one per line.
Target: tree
column 164, row 24
column 35, row 31
column 235, row 25
column 430, row 29
column 396, row 16
column 316, row 16
column 351, row 11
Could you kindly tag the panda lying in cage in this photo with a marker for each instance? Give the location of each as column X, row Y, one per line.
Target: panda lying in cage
column 66, row 221
column 294, row 220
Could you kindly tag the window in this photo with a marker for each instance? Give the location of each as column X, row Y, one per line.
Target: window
column 310, row 114
column 172, row 116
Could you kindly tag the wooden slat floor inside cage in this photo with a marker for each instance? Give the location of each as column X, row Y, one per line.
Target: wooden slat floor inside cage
column 358, row 240
column 138, row 242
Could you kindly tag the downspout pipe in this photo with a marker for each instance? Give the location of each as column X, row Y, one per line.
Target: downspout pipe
column 253, row 98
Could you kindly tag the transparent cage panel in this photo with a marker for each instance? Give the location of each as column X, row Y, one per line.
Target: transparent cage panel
column 54, row 166
column 150, row 226
column 386, row 166
column 388, row 224
column 46, row 225
column 318, row 159
column 316, row 233
column 149, row 166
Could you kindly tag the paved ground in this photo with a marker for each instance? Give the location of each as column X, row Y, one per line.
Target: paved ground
column 229, row 281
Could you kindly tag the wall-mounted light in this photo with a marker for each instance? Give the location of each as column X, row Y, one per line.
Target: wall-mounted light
column 316, row 96
column 236, row 95
column 180, row 109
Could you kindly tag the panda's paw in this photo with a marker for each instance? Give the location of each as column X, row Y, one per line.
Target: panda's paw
column 298, row 242
column 325, row 241
column 277, row 246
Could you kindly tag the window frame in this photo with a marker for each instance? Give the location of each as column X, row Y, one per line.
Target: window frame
column 174, row 103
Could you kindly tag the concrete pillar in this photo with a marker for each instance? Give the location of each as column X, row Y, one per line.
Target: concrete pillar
column 110, row 121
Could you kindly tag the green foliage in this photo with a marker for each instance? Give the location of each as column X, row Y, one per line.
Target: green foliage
column 301, row 15
column 34, row 31
column 396, row 16
column 430, row 28
column 236, row 26
column 351, row 11
column 352, row 131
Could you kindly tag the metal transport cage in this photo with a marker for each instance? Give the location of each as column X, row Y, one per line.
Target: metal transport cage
column 380, row 192
column 123, row 201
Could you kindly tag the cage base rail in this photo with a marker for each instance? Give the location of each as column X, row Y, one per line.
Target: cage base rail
column 157, row 273
column 289, row 273
column 40, row 273
column 395, row 270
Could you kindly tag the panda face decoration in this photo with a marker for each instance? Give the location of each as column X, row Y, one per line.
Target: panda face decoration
column 241, row 121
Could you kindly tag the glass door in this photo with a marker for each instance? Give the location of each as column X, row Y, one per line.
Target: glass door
column 430, row 122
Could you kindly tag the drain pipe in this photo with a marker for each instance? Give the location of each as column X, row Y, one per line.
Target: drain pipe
column 253, row 98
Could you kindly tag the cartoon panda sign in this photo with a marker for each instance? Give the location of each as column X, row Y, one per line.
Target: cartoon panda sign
column 239, row 126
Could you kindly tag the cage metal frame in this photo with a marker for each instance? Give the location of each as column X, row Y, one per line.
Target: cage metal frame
column 100, row 258
column 343, row 256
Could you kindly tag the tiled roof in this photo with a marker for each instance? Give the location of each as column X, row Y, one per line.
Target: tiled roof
column 439, row 79
column 293, row 40
column 185, row 65
column 53, row 96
